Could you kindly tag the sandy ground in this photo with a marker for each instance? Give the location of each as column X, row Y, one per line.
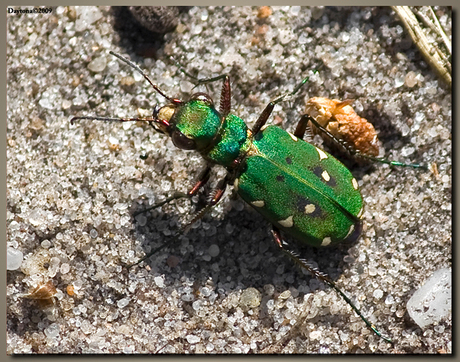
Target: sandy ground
column 224, row 288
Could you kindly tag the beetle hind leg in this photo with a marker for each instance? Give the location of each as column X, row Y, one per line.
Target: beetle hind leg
column 284, row 247
column 302, row 128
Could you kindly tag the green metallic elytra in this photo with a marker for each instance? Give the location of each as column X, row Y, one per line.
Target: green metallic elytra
column 303, row 190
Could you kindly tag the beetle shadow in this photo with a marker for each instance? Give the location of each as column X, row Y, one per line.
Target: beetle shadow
column 247, row 255
column 390, row 136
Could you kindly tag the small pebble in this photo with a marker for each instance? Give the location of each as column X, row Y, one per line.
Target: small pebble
column 213, row 250
column 98, row 64
column 250, row 298
column 172, row 261
column 433, row 301
column 264, row 12
column 14, row 259
column 123, row 302
column 411, row 79
column 52, row 331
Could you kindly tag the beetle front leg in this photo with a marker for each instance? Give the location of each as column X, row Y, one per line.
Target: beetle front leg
column 225, row 94
column 225, row 98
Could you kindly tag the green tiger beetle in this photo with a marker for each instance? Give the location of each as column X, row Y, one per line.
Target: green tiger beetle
column 300, row 189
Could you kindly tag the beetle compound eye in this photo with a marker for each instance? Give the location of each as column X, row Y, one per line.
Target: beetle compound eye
column 182, row 141
column 203, row 97
column 164, row 113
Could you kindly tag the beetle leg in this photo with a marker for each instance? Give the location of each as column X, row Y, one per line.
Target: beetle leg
column 265, row 114
column 225, row 95
column 302, row 126
column 283, row 246
column 218, row 193
column 225, row 98
column 219, row 190
column 175, row 196
column 269, row 108
column 203, row 178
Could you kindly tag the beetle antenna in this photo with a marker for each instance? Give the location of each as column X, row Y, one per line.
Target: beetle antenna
column 108, row 119
column 136, row 67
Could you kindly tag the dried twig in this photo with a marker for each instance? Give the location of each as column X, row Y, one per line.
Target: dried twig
column 437, row 58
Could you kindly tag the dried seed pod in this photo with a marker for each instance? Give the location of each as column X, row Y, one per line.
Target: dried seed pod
column 339, row 118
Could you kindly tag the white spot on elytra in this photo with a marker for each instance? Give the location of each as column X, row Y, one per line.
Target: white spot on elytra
column 309, row 208
column 326, row 241
column 258, row 203
column 264, row 126
column 355, row 183
column 287, row 223
column 293, row 137
column 322, row 154
column 235, row 184
column 325, row 176
column 360, row 213
column 352, row 228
